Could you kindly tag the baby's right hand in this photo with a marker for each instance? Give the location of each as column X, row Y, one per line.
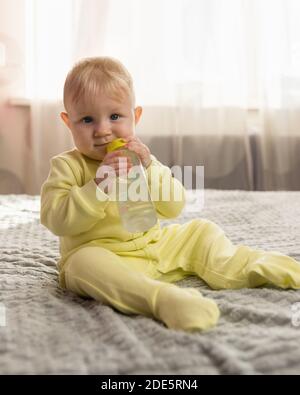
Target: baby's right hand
column 113, row 165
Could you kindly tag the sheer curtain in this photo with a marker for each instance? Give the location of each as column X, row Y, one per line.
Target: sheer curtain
column 50, row 36
column 279, row 81
column 198, row 66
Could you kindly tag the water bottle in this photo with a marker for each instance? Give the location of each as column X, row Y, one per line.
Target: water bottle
column 137, row 215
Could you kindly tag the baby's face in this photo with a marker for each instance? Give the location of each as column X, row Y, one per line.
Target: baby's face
column 94, row 126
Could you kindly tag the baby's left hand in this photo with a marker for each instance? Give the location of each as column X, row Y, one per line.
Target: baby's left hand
column 136, row 145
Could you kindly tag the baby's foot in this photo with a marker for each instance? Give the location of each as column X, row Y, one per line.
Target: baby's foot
column 185, row 309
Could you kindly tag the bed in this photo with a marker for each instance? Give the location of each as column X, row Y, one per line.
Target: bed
column 47, row 330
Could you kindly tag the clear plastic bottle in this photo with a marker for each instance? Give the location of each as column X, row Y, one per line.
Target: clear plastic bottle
column 138, row 214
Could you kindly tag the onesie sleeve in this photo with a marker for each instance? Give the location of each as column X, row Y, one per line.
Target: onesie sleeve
column 167, row 192
column 66, row 208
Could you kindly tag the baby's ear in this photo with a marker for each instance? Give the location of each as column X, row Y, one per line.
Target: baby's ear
column 64, row 116
column 137, row 114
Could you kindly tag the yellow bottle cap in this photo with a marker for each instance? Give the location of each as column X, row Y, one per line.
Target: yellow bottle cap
column 115, row 144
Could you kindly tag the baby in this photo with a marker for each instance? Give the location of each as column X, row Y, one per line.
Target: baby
column 134, row 272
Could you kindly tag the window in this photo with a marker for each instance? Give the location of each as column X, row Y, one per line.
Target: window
column 217, row 52
column 49, row 40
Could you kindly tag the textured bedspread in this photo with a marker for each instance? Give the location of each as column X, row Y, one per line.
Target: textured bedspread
column 44, row 329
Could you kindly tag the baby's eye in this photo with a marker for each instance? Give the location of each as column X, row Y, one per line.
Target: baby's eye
column 114, row 117
column 87, row 119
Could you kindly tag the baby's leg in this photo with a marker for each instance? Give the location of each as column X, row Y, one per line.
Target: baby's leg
column 99, row 273
column 224, row 265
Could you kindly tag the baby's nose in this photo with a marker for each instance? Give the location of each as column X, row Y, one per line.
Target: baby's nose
column 101, row 133
column 101, row 130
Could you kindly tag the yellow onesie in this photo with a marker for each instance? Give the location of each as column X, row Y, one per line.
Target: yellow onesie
column 134, row 272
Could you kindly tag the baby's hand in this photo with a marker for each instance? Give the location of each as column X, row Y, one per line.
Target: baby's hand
column 114, row 164
column 136, row 145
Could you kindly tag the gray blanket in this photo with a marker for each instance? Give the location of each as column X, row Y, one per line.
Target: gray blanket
column 46, row 330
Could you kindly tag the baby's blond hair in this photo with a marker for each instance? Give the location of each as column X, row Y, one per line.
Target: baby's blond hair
column 98, row 74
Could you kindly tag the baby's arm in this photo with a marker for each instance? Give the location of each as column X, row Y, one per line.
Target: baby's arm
column 66, row 208
column 161, row 181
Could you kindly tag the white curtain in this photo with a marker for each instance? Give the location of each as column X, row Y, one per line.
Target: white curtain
column 278, row 54
column 50, row 26
column 198, row 66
